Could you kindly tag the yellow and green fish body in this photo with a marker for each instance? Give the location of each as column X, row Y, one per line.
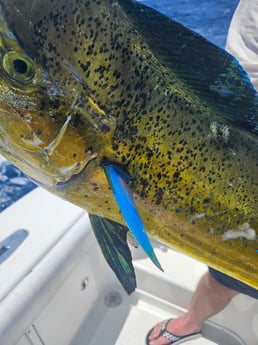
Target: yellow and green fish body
column 90, row 84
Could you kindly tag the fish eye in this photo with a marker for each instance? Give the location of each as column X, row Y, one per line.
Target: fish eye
column 18, row 67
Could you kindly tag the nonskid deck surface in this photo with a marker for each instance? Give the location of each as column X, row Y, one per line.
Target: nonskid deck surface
column 119, row 320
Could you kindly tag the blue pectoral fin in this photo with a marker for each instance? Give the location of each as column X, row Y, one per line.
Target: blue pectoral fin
column 126, row 204
column 111, row 237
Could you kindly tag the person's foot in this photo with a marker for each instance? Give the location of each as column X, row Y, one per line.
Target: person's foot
column 173, row 331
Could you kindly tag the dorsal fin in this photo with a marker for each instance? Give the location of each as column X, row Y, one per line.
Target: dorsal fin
column 213, row 74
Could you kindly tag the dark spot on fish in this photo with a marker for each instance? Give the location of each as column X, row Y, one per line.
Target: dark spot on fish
column 76, row 121
column 176, row 177
column 159, row 195
column 95, row 187
column 104, row 128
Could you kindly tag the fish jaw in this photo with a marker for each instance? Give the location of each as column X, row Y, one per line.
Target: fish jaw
column 48, row 161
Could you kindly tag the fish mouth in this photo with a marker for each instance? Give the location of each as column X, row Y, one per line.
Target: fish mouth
column 74, row 177
column 47, row 164
column 59, row 179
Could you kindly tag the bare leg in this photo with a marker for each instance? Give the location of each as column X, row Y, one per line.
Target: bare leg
column 209, row 298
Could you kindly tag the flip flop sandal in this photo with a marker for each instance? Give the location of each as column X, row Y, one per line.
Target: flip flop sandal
column 174, row 339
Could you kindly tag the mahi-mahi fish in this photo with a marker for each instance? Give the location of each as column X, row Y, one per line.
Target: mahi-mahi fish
column 140, row 121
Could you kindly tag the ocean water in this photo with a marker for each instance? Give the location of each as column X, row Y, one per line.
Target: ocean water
column 210, row 18
column 13, row 184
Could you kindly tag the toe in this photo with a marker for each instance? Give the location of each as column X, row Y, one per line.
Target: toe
column 155, row 332
column 160, row 341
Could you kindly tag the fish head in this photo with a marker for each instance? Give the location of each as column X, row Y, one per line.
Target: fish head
column 50, row 125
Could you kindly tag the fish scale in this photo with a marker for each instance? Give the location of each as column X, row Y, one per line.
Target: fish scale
column 116, row 81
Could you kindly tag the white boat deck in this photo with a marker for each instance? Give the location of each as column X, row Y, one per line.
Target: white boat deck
column 56, row 288
column 129, row 322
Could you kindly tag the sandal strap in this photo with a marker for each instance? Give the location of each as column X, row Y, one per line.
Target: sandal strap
column 164, row 325
column 165, row 333
column 169, row 336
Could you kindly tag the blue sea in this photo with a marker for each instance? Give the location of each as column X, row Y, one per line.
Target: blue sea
column 209, row 18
